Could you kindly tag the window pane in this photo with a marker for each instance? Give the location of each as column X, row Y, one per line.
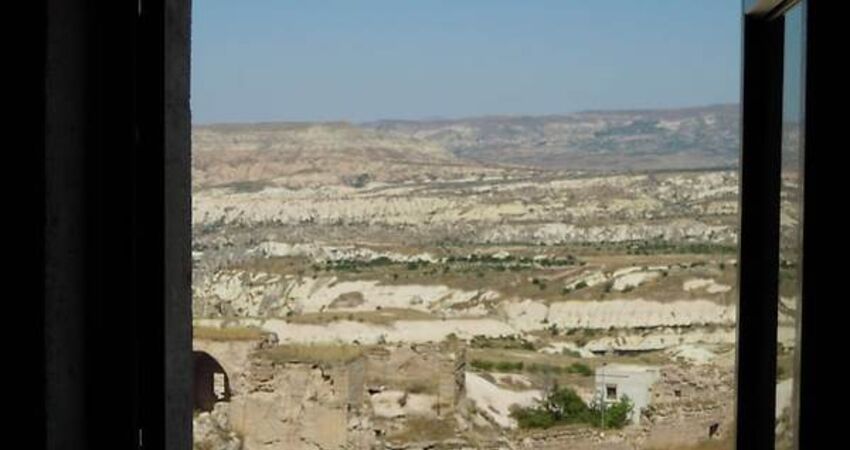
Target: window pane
column 473, row 225
column 790, row 243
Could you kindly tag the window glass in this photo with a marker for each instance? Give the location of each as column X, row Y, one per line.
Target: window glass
column 479, row 224
column 790, row 231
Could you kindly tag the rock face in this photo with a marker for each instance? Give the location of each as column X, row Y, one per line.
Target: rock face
column 530, row 208
column 494, row 403
column 212, row 430
column 241, row 294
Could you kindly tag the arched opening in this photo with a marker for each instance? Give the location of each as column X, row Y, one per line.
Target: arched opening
column 211, row 383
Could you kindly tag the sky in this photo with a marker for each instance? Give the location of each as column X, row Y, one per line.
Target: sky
column 792, row 78
column 362, row 60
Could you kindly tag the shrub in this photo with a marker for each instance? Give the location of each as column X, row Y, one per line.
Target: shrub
column 481, row 365
column 507, row 366
column 581, row 369
column 612, row 416
column 564, row 406
column 532, row 418
column 559, row 406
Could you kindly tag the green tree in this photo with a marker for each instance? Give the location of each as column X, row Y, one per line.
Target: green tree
column 564, row 405
column 616, row 415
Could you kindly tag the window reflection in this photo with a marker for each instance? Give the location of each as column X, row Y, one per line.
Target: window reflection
column 790, row 229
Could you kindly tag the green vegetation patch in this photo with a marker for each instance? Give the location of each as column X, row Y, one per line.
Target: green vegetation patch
column 228, row 333
column 383, row 316
column 562, row 406
column 576, row 368
column 508, row 342
column 313, row 353
column 247, row 186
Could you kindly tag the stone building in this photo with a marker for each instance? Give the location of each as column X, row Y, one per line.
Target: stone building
column 614, row 381
column 298, row 402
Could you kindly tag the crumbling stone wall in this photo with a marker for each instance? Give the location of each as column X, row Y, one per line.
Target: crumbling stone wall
column 433, row 369
column 295, row 405
column 234, row 356
column 578, row 438
column 691, row 404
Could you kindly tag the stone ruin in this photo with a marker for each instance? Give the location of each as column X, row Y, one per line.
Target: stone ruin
column 352, row 404
column 396, row 396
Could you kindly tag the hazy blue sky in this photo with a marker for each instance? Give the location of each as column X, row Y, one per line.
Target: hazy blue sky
column 263, row 60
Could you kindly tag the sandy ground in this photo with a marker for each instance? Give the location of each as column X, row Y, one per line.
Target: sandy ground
column 408, row 331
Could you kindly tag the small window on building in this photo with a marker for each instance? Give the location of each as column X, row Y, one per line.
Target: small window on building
column 611, row 392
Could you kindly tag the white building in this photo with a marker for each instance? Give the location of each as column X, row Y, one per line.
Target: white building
column 613, row 381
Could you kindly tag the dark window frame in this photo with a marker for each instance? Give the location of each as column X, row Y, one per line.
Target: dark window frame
column 762, row 104
column 758, row 238
column 116, row 224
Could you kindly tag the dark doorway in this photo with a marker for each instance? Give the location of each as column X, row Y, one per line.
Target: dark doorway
column 211, row 384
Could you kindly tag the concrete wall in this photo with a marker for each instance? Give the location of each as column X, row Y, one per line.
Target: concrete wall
column 636, row 382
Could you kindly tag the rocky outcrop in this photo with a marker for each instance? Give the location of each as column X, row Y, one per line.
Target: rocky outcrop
column 212, row 430
column 554, row 209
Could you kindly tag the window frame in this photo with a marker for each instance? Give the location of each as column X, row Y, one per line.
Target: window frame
column 116, row 76
column 759, row 202
column 762, row 104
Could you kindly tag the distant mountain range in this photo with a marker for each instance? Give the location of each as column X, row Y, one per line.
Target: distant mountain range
column 685, row 138
column 302, row 154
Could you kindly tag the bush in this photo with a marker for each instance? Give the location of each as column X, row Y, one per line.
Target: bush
column 532, row 418
column 560, row 406
column 581, row 369
column 612, row 416
column 507, row 366
column 498, row 366
column 564, row 406
column 481, row 365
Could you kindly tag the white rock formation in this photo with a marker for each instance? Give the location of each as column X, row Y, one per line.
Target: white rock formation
column 495, row 402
